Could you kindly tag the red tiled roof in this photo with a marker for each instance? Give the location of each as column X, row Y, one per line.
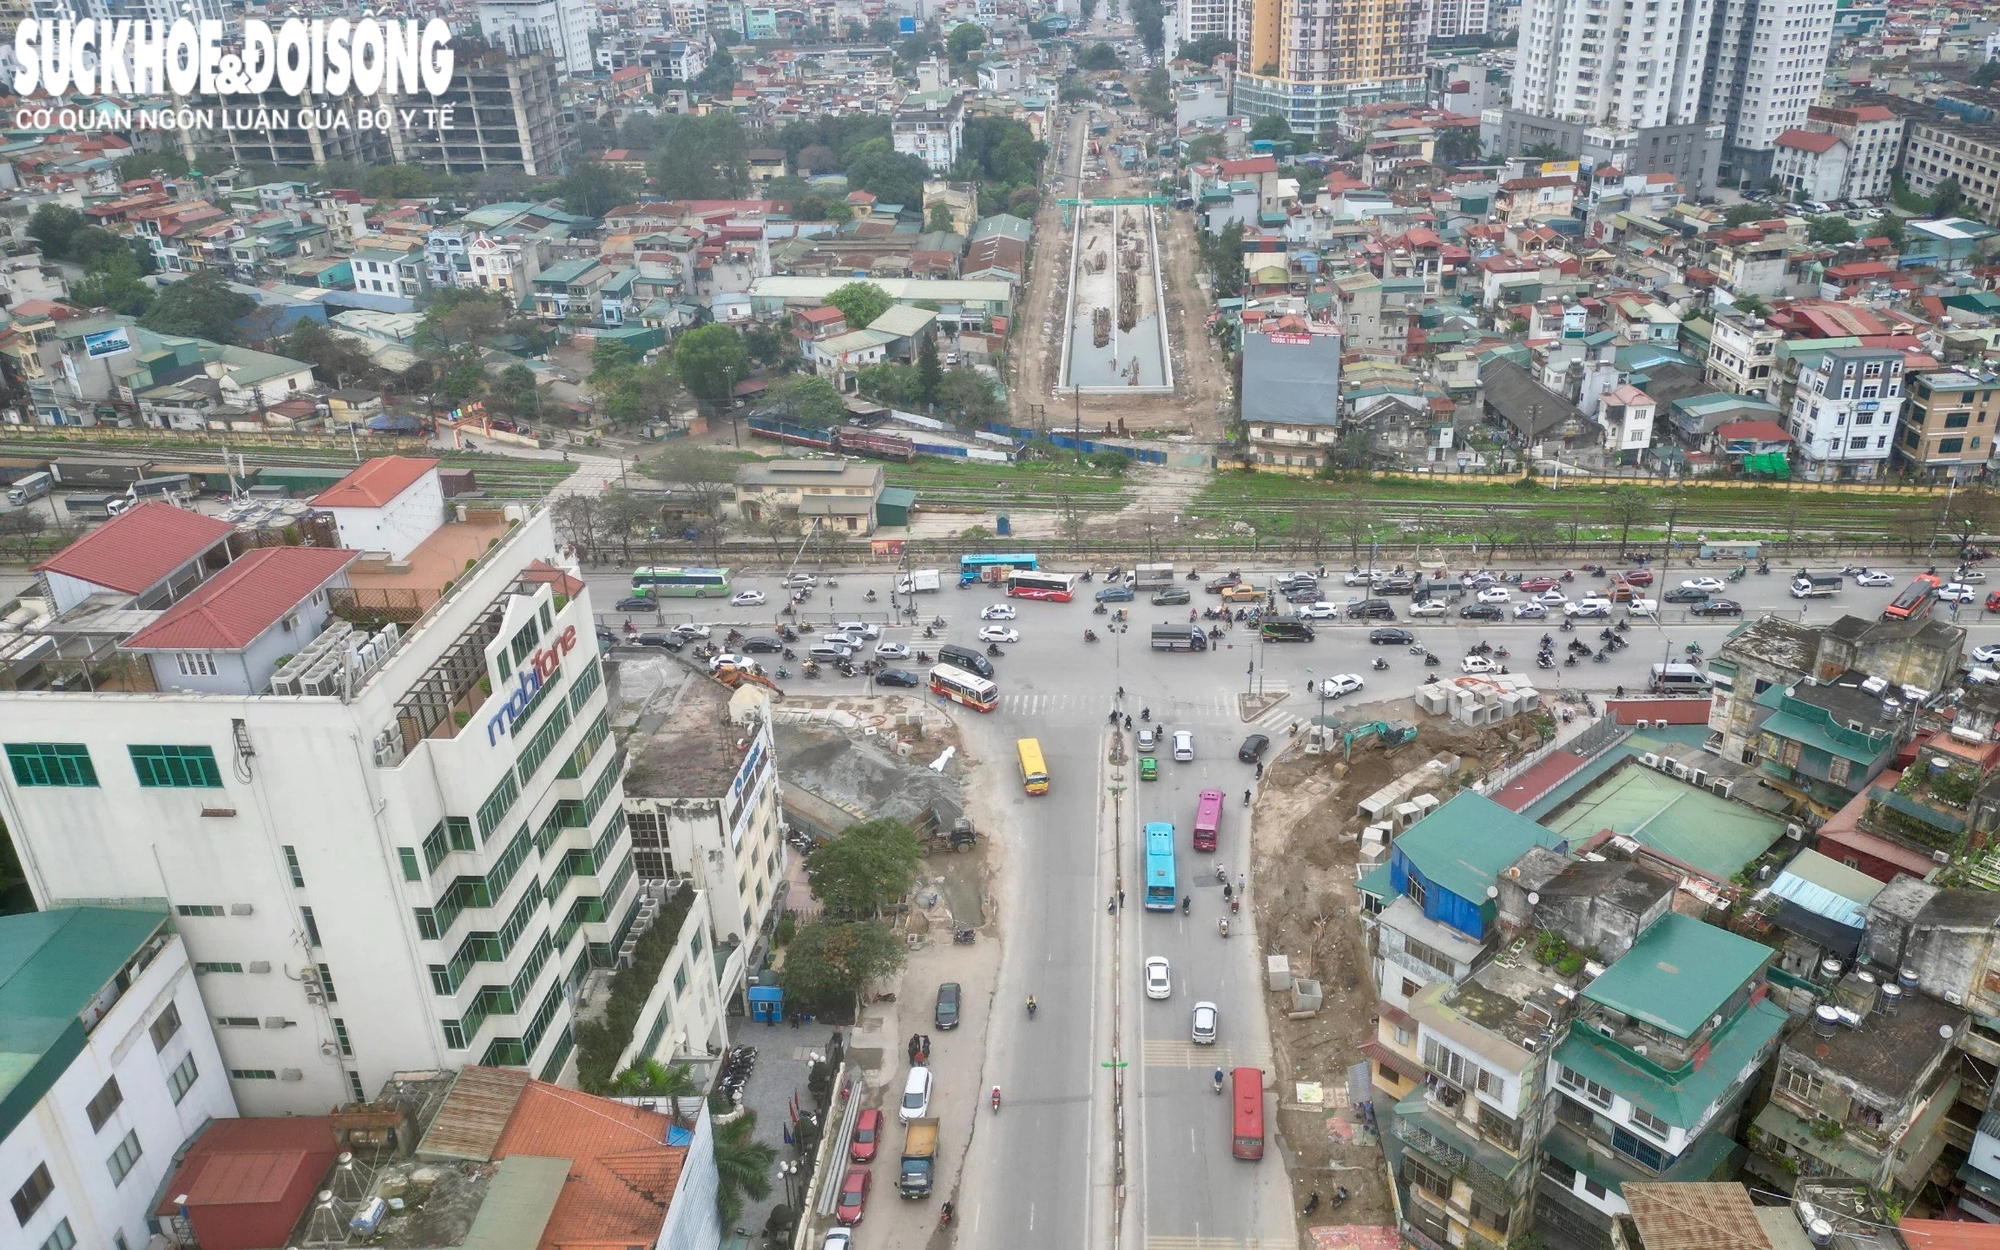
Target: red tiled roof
column 1252, row 165
column 1537, row 781
column 230, row 610
column 138, row 549
column 622, row 1174
column 1807, row 141
column 1762, row 431
column 375, row 483
column 542, row 571
column 1950, row 1234
column 1872, row 113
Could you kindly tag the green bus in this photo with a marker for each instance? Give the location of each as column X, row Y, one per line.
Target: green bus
column 662, row 581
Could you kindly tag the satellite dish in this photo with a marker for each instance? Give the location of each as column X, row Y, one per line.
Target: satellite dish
column 1533, row 898
column 1944, row 1031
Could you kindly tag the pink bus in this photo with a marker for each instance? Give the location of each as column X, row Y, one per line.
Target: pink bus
column 1207, row 820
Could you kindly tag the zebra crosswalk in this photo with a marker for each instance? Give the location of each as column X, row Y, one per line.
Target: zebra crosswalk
column 1041, row 705
column 1168, row 1052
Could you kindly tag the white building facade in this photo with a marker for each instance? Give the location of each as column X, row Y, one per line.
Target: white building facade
column 1844, row 411
column 406, row 850
column 122, row 1071
column 561, row 26
column 1622, row 65
column 1765, row 62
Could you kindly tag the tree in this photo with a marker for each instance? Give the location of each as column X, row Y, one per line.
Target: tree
column 1204, row 50
column 860, row 302
column 1456, row 145
column 1890, row 226
column 718, row 77
column 1223, row 254
column 964, row 38
column 52, row 227
column 889, row 176
column 939, row 218
column 867, row 869
column 930, row 373
column 397, row 182
column 650, row 1078
column 517, row 391
column 335, row 360
column 1832, row 229
column 711, row 360
column 1088, row 7
column 459, row 377
column 830, row 961
column 969, row 394
column 1628, row 506
column 890, row 383
column 1546, row 152
column 577, row 522
column 1743, row 214
column 460, row 316
column 816, row 158
column 21, row 532
column 1948, row 197
column 114, row 284
column 700, row 158
column 592, row 190
column 778, row 523
column 1271, row 126
column 807, row 400
column 742, row 1166
column 1099, row 57
column 702, row 476
column 200, row 307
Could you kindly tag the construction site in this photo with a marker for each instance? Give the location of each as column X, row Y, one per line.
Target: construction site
column 1117, row 336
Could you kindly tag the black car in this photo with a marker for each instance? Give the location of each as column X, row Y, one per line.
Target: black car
column 637, row 603
column 1482, row 612
column 1253, row 746
column 1371, row 610
column 661, row 638
column 897, row 677
column 761, row 642
column 1685, row 594
column 1302, row 594
column 1216, row 585
column 1172, row 594
column 1391, row 637
column 946, row 1014
column 1115, row 594
column 606, row 638
column 1716, row 607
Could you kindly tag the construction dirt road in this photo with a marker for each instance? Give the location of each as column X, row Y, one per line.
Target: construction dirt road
column 1200, row 403
column 1307, row 843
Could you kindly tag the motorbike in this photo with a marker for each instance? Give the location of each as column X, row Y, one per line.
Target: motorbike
column 1431, row 661
column 1623, row 627
column 1380, row 665
column 1694, row 648
column 1222, row 874
column 1099, row 610
column 783, row 672
column 1090, row 635
column 1418, row 648
column 1223, row 927
column 932, row 633
column 1763, row 566
column 1218, row 1080
column 812, row 668
column 833, row 581
column 923, row 657
column 1499, row 653
column 1215, row 631
column 937, row 622
column 1085, row 576
column 1545, row 660
column 787, row 633
column 993, row 649
column 1145, row 713
column 1602, row 657
column 1569, row 661
column 870, row 596
column 964, row 937
column 1187, row 904
column 1194, row 575
column 1568, row 575
column 789, row 654
column 1736, row 574
column 996, row 1098
column 1339, row 1196
column 1031, row 1006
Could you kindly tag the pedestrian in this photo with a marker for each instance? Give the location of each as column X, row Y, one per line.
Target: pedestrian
column 1121, row 898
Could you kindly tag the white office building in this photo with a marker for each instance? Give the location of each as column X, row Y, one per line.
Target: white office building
column 1201, row 19
column 1765, row 62
column 379, row 794
column 1845, row 406
column 110, row 1067
column 562, row 27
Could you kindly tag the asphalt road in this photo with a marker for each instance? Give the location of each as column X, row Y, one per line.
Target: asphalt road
column 1040, row 1172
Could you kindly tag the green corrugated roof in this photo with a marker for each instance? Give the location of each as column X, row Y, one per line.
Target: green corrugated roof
column 1702, row 830
column 518, row 1206
column 1684, row 1097
column 1820, row 735
column 1464, row 844
column 1678, row 974
column 52, row 964
column 1379, row 881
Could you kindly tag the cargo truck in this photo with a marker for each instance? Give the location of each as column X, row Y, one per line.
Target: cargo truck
column 919, row 1156
column 99, row 474
column 93, row 505
column 1179, row 638
column 919, row 582
column 33, row 486
column 1811, row 585
column 1152, row 576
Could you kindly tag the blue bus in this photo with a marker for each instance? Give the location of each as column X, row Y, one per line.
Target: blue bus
column 992, row 568
column 1162, row 887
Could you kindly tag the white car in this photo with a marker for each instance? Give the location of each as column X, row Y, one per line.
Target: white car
column 691, row 631
column 1874, row 577
column 1588, row 608
column 1971, row 575
column 1713, row 585
column 1643, row 607
column 997, row 612
column 1207, row 1020
column 916, row 1095
column 730, row 658
column 892, row 650
column 1958, row 592
column 1477, row 664
column 1321, row 611
column 1494, row 594
column 1988, row 654
column 1340, row 684
column 1553, row 597
column 842, row 638
column 1530, row 610
column 799, row 581
column 1183, row 746
column 1159, row 978
column 867, row 630
column 747, row 598
column 1429, row 607
column 999, row 633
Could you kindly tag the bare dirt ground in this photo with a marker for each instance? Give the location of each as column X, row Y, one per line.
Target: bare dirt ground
column 1200, row 402
column 1307, row 835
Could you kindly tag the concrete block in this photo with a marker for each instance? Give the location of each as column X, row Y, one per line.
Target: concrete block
column 1305, row 995
column 1277, row 973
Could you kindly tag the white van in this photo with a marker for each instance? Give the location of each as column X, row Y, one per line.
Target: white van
column 1668, row 678
column 916, row 1096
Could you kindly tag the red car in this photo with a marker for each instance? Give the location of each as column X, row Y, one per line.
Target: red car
column 867, row 1134
column 1539, row 583
column 1639, row 577
column 853, row 1195
column 1993, row 602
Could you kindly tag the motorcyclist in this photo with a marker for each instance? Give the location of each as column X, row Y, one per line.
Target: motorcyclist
column 1218, row 1080
column 1246, row 798
column 1031, row 1006
column 1145, row 713
column 1187, row 904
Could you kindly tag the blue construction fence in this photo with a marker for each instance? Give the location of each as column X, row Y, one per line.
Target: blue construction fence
column 1082, row 446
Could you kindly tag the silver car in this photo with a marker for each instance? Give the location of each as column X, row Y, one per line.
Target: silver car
column 1207, row 1019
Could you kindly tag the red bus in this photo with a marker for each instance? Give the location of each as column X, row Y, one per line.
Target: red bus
column 1247, row 1097
column 1914, row 600
column 1207, row 820
column 1055, row 587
